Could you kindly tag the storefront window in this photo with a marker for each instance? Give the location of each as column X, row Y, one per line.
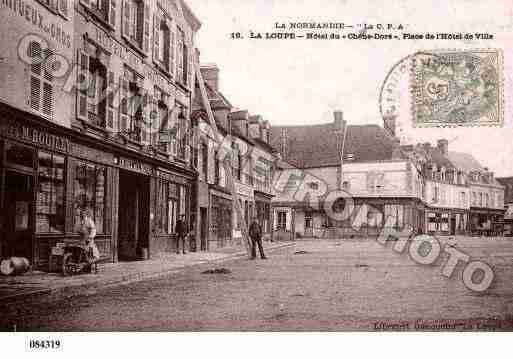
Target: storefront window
column 173, row 199
column 89, row 193
column 50, row 194
column 19, row 155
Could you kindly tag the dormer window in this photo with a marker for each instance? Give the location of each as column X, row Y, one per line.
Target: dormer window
column 313, row 185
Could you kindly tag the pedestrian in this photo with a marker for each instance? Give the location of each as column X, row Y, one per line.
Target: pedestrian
column 255, row 233
column 181, row 233
column 88, row 232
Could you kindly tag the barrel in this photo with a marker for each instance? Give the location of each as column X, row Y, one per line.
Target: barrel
column 14, row 266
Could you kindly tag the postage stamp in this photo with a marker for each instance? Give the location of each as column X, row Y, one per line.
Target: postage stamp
column 457, row 88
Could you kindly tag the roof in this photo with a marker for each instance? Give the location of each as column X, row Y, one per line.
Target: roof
column 465, row 162
column 313, row 146
column 507, row 182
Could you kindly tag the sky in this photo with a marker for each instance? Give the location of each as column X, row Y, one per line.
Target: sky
column 294, row 82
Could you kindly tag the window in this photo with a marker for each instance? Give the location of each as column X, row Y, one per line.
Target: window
column 396, row 213
column 374, row 217
column 182, row 131
column 89, row 193
column 181, row 58
column 50, row 194
column 487, row 199
column 96, row 90
column 133, row 102
column 162, row 42
column 308, row 220
column 217, row 169
column 59, row 6
column 160, row 121
column 463, row 198
column 103, row 9
column 480, row 199
column 281, row 220
column 313, row 185
column 41, row 80
column 375, row 181
column 204, row 160
column 346, row 185
column 136, row 23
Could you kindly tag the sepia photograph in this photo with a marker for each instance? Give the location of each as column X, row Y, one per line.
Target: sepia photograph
column 255, row 166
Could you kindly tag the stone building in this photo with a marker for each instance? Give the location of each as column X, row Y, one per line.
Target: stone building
column 95, row 114
column 245, row 152
column 507, row 182
column 379, row 183
column 324, row 165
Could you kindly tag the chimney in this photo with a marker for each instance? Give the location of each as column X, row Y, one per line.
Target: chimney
column 338, row 120
column 426, row 146
column 443, row 146
column 210, row 74
column 390, row 123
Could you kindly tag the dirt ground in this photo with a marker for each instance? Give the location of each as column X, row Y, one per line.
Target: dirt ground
column 315, row 285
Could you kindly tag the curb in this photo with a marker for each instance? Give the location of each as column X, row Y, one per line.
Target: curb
column 92, row 288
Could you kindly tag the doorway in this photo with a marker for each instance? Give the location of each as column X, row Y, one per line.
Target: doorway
column 18, row 226
column 133, row 216
column 203, row 228
column 453, row 226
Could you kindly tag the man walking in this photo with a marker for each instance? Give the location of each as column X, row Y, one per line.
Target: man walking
column 181, row 233
column 255, row 232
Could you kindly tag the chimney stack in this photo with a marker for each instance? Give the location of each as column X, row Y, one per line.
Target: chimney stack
column 443, row 146
column 339, row 120
column 210, row 74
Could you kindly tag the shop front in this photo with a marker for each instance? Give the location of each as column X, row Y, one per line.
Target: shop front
column 46, row 180
column 486, row 221
column 446, row 221
column 221, row 209
column 263, row 212
column 50, row 174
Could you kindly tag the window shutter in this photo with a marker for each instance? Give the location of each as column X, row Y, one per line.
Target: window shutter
column 173, row 127
column 63, row 7
column 190, row 67
column 146, row 109
column 211, row 168
column 112, row 105
column 125, row 28
column 155, row 118
column 123, row 100
column 47, row 103
column 146, row 29
column 82, row 84
column 35, row 92
column 112, row 13
column 156, row 37
column 172, row 50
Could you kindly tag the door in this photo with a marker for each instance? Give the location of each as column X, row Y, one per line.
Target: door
column 133, row 216
column 18, row 219
column 308, row 224
column 203, row 228
column 453, row 226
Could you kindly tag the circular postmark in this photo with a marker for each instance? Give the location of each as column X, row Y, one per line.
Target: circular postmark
column 443, row 88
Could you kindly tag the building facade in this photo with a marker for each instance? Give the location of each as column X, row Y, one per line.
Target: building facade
column 380, row 184
column 96, row 116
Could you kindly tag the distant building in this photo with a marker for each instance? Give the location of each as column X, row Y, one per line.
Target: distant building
column 507, row 182
column 427, row 187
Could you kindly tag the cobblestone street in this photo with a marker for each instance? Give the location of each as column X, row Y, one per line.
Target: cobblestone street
column 315, row 285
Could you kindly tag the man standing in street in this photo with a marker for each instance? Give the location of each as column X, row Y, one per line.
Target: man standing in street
column 181, row 233
column 255, row 232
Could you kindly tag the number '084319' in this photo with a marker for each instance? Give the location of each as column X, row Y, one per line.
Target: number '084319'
column 44, row 344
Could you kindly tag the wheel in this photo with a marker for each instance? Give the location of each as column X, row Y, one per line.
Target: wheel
column 68, row 266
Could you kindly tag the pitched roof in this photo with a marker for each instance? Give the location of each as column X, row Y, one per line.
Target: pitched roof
column 318, row 145
column 465, row 162
column 507, row 182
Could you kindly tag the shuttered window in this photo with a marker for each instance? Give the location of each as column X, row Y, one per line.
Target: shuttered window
column 136, row 23
column 41, row 81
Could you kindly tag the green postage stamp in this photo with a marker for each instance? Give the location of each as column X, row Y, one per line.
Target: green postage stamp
column 457, row 88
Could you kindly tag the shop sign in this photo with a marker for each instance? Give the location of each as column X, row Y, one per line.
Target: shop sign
column 35, row 136
column 134, row 165
column 245, row 191
column 171, row 177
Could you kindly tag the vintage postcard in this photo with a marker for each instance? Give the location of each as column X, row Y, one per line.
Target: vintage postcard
column 255, row 166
